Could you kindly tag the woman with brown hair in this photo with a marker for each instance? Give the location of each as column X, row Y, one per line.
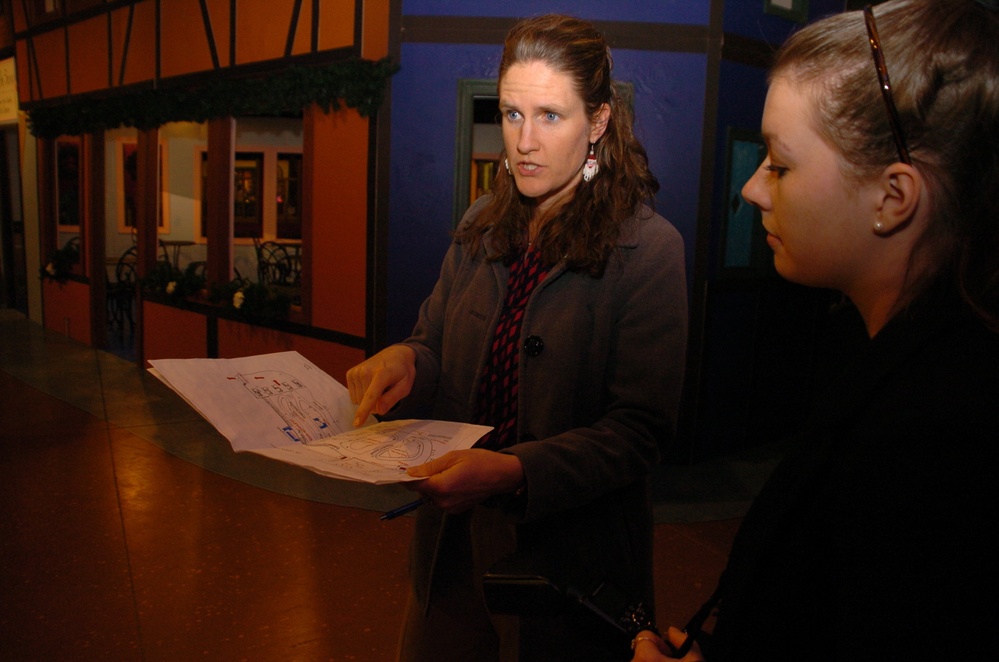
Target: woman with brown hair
column 560, row 320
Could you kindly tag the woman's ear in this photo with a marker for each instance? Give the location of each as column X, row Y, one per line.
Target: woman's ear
column 900, row 198
column 598, row 126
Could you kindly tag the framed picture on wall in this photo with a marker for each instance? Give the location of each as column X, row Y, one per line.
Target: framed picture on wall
column 744, row 248
column 796, row 10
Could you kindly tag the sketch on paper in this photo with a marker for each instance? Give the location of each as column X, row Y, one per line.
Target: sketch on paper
column 282, row 406
column 305, row 419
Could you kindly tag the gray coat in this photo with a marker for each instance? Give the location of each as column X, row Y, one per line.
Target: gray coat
column 601, row 372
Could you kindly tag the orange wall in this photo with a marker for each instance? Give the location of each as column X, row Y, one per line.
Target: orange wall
column 173, row 333
column 141, row 63
column 88, row 65
column 336, row 26
column 262, row 29
column 237, row 339
column 263, row 26
column 50, row 50
column 375, row 33
column 66, row 308
column 256, row 36
column 339, row 220
column 184, row 44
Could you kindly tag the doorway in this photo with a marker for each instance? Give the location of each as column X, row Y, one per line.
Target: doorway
column 13, row 270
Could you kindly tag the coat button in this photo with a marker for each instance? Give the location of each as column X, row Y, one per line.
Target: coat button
column 534, row 345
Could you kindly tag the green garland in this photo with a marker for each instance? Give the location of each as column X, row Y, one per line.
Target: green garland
column 59, row 264
column 251, row 302
column 239, row 299
column 167, row 282
column 357, row 83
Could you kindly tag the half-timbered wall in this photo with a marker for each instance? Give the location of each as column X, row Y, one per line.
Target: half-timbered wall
column 93, row 49
column 91, row 46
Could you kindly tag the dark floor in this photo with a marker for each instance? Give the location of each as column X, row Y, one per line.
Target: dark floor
column 131, row 531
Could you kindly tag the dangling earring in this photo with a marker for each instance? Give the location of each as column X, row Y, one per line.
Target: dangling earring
column 591, row 168
column 506, row 163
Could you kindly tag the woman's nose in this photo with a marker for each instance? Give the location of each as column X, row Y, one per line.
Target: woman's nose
column 753, row 191
column 526, row 142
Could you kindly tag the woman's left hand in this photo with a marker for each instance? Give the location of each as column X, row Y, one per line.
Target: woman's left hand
column 460, row 479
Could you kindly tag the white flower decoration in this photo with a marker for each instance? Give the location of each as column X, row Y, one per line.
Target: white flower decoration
column 237, row 299
column 171, row 287
column 50, row 269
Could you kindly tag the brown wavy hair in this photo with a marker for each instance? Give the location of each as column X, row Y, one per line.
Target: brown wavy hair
column 943, row 58
column 584, row 231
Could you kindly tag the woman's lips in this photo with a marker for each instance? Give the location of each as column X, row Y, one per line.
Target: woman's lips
column 528, row 169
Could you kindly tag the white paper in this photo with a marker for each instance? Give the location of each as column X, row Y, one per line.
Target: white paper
column 284, row 407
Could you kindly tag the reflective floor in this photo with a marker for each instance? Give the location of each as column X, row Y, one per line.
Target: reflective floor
column 131, row 531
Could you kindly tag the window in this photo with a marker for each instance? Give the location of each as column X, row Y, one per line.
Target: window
column 267, row 194
column 127, row 182
column 49, row 8
column 44, row 10
column 289, row 196
column 247, row 195
column 69, row 178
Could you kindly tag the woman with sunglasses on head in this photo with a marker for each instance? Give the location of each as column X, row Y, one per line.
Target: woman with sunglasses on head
column 872, row 540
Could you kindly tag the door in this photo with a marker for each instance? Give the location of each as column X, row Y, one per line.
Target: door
column 13, row 272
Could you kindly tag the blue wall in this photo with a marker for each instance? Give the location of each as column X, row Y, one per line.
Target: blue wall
column 746, row 18
column 741, row 93
column 424, row 108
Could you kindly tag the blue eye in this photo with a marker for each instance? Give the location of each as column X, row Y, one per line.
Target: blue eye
column 551, row 117
column 511, row 116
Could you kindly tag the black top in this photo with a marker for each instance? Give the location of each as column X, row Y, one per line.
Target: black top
column 873, row 538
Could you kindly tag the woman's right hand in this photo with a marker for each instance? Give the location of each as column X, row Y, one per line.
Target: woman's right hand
column 649, row 647
column 378, row 383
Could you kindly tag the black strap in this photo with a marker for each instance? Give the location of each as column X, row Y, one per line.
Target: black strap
column 693, row 627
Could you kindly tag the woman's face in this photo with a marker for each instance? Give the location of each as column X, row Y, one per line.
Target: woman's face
column 817, row 222
column 546, row 131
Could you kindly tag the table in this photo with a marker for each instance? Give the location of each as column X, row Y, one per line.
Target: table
column 175, row 245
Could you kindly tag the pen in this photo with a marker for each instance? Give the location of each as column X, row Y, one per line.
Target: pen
column 682, row 649
column 693, row 627
column 402, row 510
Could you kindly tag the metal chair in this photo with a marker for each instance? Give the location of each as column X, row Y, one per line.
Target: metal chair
column 121, row 294
column 274, row 264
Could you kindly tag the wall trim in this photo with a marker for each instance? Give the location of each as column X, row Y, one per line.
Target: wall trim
column 628, row 35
